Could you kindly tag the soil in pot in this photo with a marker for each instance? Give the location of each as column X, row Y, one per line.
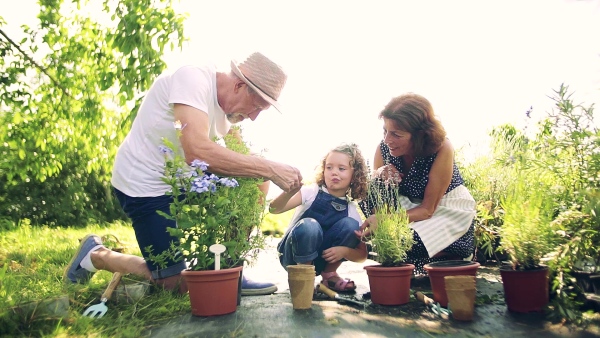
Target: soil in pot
column 438, row 270
column 390, row 285
column 526, row 290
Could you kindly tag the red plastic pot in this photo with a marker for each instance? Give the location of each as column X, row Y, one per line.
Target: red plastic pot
column 390, row 285
column 526, row 290
column 213, row 292
column 438, row 270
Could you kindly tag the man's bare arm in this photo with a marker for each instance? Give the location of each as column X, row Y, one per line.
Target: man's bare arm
column 222, row 161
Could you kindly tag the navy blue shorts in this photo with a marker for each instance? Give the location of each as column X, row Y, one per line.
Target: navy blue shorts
column 151, row 230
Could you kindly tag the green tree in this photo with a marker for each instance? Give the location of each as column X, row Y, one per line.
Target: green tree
column 68, row 91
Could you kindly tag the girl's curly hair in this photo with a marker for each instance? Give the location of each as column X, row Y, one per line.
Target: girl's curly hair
column 358, row 183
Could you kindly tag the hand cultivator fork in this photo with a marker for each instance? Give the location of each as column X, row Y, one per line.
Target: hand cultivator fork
column 433, row 306
column 98, row 310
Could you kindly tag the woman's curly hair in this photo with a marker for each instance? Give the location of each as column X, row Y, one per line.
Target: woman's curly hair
column 358, row 183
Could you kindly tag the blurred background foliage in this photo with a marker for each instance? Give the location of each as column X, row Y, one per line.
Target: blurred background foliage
column 68, row 93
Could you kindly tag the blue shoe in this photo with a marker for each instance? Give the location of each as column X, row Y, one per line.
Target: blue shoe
column 74, row 273
column 252, row 288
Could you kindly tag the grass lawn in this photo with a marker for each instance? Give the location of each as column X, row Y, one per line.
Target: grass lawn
column 32, row 262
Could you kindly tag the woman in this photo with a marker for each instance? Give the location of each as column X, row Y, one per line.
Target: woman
column 416, row 158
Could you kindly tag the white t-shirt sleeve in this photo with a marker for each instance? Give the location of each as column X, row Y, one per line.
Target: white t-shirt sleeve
column 190, row 86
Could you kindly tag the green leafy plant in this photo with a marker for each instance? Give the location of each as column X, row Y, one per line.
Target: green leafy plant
column 69, row 88
column 393, row 237
column 527, row 234
column 211, row 210
column 487, row 178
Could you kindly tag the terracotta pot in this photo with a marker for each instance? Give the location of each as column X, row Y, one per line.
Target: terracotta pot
column 390, row 285
column 525, row 291
column 213, row 292
column 438, row 270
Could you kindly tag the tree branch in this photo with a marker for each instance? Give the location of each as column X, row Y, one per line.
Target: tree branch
column 30, row 59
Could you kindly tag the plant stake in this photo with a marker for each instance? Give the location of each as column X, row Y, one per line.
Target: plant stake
column 217, row 249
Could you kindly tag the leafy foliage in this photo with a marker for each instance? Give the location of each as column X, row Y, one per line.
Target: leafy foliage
column 552, row 174
column 211, row 210
column 527, row 234
column 67, row 90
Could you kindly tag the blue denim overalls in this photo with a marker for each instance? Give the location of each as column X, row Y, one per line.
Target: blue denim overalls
column 323, row 225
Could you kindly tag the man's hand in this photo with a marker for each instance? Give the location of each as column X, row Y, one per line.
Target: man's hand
column 286, row 177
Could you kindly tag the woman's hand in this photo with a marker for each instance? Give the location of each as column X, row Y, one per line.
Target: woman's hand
column 335, row 254
column 389, row 173
column 368, row 226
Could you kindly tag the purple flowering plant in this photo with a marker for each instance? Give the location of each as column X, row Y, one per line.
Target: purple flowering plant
column 210, row 209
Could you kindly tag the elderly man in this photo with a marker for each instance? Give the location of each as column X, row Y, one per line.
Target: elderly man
column 206, row 102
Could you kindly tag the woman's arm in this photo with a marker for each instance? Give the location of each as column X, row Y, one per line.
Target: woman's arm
column 440, row 177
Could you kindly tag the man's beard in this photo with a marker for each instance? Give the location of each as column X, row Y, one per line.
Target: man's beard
column 235, row 118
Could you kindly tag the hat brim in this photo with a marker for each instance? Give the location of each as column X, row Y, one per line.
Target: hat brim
column 266, row 97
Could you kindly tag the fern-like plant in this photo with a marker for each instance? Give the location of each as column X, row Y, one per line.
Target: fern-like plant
column 527, row 234
column 393, row 237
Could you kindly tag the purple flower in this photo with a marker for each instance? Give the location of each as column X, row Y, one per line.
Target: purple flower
column 199, row 164
column 199, row 185
column 165, row 150
column 229, row 182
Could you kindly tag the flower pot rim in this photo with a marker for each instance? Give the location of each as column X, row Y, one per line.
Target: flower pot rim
column 212, row 271
column 508, row 267
column 379, row 266
column 451, row 264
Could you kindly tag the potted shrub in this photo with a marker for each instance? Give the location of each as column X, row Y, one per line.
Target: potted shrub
column 389, row 280
column 579, row 254
column 526, row 235
column 212, row 210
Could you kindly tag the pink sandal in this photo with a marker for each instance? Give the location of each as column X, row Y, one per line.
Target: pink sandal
column 341, row 285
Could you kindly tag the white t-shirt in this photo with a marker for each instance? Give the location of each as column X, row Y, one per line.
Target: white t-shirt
column 139, row 162
column 309, row 193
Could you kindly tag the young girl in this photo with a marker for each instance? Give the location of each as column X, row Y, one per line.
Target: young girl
column 322, row 229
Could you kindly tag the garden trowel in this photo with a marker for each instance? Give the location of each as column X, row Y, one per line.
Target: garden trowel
column 334, row 295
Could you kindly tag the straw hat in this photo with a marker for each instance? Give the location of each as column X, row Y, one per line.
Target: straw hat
column 262, row 75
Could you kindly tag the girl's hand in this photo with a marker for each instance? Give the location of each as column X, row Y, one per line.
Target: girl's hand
column 335, row 254
column 389, row 173
column 368, row 226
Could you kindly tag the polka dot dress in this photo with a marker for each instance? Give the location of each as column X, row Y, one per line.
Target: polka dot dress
column 413, row 186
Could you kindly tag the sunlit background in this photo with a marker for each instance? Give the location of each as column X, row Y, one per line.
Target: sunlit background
column 480, row 63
